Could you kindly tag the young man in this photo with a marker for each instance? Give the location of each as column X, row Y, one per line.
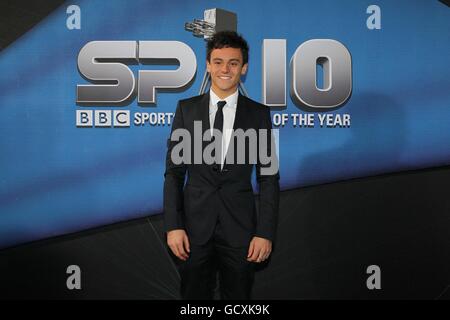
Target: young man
column 211, row 222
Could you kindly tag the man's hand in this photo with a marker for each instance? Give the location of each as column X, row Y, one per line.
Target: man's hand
column 259, row 249
column 179, row 243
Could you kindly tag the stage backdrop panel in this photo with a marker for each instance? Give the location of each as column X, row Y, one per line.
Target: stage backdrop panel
column 58, row 178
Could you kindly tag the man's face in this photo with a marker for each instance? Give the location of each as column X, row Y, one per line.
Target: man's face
column 226, row 67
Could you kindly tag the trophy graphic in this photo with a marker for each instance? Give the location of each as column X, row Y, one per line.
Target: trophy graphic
column 214, row 20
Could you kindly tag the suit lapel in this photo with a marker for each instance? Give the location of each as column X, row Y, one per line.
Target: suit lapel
column 204, row 110
column 239, row 123
column 239, row 117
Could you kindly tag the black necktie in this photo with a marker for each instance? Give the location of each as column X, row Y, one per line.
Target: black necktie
column 218, row 120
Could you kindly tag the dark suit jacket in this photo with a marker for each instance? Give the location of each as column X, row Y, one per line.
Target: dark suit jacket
column 210, row 193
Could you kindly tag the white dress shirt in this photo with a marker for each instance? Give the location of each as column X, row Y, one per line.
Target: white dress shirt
column 229, row 112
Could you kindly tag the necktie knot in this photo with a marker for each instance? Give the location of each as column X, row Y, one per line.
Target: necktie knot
column 221, row 104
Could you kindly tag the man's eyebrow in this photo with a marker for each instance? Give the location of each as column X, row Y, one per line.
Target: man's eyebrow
column 220, row 59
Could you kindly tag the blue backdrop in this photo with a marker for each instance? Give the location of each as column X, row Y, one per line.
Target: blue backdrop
column 57, row 178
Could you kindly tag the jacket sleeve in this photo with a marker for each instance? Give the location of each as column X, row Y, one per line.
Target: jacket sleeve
column 267, row 177
column 174, row 177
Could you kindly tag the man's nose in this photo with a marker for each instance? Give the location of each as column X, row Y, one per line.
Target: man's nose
column 225, row 68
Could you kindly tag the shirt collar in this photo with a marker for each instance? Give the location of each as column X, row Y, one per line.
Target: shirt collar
column 231, row 100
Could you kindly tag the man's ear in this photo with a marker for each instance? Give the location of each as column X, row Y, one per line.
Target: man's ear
column 244, row 69
column 208, row 66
